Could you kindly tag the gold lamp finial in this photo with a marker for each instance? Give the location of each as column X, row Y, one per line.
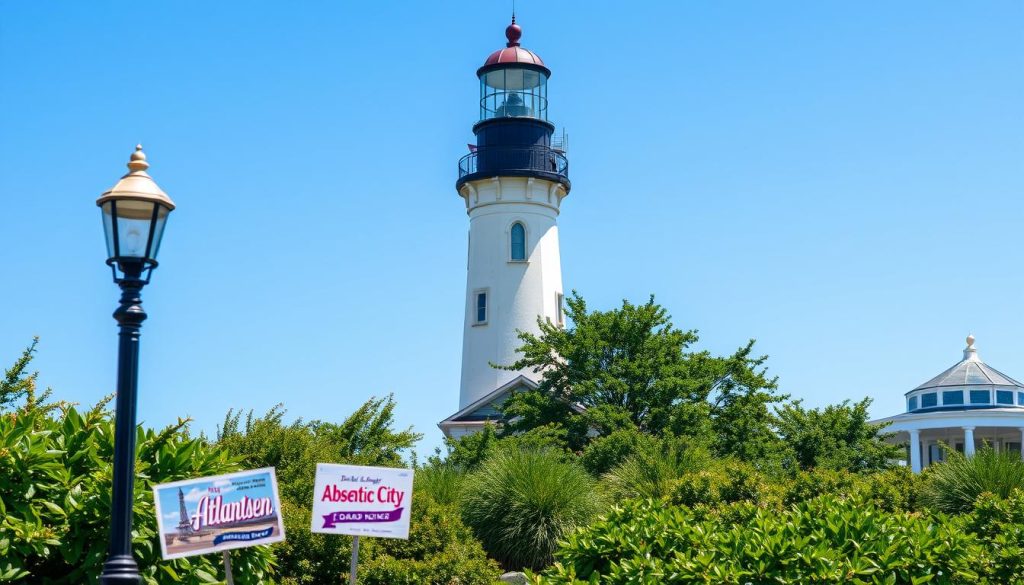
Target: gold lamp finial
column 138, row 160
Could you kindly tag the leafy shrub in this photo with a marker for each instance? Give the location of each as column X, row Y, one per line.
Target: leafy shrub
column 652, row 472
column 807, row 485
column 606, row 452
column 1000, row 525
column 469, row 451
column 519, row 503
column 726, row 483
column 441, row 549
column 55, row 486
column 703, row 488
column 954, row 486
column 893, row 490
column 824, row 540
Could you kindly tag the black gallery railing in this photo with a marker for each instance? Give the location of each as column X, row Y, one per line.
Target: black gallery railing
column 499, row 159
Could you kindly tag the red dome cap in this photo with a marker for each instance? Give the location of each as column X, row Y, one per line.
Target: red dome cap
column 513, row 53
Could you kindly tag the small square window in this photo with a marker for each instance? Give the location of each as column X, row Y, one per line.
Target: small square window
column 912, row 403
column 980, row 397
column 480, row 307
column 1004, row 397
column 952, row 397
column 929, row 400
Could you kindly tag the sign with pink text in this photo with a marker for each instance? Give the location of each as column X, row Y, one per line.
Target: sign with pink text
column 217, row 513
column 362, row 501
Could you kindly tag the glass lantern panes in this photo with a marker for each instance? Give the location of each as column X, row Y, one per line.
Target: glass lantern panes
column 133, row 228
column 514, row 92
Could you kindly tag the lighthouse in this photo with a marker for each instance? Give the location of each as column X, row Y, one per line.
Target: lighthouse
column 512, row 183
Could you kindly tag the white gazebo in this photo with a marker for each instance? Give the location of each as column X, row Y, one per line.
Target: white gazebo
column 964, row 407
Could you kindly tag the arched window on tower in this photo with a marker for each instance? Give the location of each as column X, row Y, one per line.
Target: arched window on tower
column 518, row 237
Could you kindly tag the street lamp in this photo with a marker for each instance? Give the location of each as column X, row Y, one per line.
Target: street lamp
column 134, row 214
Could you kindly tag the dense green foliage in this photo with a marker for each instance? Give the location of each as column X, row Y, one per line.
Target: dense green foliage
column 613, row 377
column 999, row 522
column 631, row 368
column 55, row 483
column 520, row 502
column 955, row 485
column 825, row 540
column 836, row 437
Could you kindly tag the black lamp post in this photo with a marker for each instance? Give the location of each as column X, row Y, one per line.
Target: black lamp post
column 134, row 214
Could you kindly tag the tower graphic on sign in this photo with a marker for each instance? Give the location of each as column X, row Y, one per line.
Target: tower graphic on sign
column 184, row 524
column 512, row 182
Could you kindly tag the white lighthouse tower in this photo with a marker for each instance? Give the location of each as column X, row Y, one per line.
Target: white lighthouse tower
column 513, row 182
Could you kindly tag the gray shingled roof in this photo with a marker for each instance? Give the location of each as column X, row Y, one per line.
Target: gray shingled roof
column 970, row 371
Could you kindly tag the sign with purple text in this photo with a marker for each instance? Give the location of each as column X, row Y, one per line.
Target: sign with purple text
column 362, row 501
column 218, row 513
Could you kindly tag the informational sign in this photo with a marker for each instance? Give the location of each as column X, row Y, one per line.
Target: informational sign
column 362, row 501
column 218, row 513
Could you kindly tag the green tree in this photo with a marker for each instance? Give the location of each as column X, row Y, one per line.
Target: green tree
column 836, row 437
column 632, row 368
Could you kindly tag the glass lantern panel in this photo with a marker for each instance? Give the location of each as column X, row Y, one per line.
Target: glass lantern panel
column 1004, row 397
column 158, row 230
column 513, row 92
column 134, row 221
column 951, row 397
column 108, row 226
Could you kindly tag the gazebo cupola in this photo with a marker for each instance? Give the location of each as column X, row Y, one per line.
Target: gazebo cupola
column 968, row 384
column 513, row 134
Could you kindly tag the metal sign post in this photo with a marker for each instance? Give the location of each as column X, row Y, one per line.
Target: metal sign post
column 227, row 567
column 355, row 561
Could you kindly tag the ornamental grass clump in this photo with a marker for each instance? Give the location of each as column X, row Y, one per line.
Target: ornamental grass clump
column 653, row 472
column 954, row 486
column 441, row 482
column 521, row 502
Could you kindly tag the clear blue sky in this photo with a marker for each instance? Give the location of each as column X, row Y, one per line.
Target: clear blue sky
column 842, row 181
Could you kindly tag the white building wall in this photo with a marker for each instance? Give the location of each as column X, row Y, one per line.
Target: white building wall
column 517, row 291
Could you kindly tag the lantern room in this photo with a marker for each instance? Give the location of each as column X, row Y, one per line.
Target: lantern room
column 513, row 81
column 513, row 134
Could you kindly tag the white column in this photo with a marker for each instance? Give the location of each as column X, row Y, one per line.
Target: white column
column 968, row 441
column 915, row 450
